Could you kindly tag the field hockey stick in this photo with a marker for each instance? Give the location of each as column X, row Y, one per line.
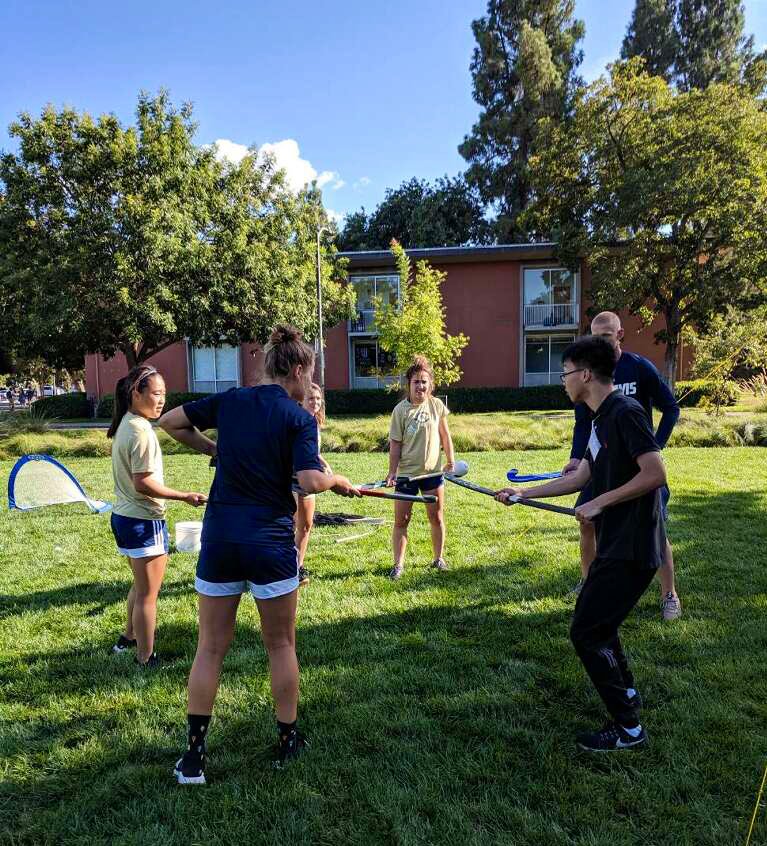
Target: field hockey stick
column 461, row 468
column 430, row 498
column 516, row 476
column 514, row 500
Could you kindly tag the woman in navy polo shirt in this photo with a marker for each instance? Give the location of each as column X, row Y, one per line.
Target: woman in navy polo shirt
column 264, row 436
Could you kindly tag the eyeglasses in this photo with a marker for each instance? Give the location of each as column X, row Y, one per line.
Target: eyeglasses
column 563, row 376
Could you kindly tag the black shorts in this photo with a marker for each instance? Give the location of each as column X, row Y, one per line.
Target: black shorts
column 587, row 494
column 431, row 483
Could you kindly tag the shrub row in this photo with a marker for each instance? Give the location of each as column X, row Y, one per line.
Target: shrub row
column 172, row 400
column 64, row 406
column 699, row 392
column 462, row 400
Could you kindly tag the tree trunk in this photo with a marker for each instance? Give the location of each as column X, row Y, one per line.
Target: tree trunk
column 129, row 351
column 673, row 340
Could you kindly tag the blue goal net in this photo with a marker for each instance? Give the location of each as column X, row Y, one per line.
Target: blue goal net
column 39, row 480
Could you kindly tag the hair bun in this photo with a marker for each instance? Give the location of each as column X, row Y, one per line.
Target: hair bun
column 421, row 362
column 284, row 335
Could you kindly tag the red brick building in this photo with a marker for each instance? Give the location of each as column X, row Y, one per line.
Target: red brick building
column 518, row 306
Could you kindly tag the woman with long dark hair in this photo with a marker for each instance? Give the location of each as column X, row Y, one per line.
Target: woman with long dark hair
column 264, row 436
column 138, row 516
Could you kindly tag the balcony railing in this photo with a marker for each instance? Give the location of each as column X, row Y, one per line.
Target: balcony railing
column 363, row 323
column 546, row 316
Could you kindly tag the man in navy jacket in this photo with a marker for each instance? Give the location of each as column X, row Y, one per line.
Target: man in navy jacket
column 638, row 378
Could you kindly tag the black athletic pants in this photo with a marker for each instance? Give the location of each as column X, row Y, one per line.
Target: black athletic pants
column 612, row 589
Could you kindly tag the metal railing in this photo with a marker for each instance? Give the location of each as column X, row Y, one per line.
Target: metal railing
column 544, row 316
column 363, row 323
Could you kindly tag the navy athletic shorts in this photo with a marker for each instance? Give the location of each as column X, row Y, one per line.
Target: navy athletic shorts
column 138, row 538
column 420, row 485
column 586, row 495
column 267, row 567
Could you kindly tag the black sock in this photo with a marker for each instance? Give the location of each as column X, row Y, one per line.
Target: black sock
column 286, row 729
column 197, row 731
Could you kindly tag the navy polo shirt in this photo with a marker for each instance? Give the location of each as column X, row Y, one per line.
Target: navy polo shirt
column 638, row 378
column 264, row 436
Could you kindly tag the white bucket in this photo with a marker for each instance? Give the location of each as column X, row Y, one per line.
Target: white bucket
column 188, row 536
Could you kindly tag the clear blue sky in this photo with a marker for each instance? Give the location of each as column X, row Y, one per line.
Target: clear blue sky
column 372, row 93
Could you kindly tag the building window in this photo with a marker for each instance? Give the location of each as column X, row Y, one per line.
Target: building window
column 550, row 297
column 371, row 366
column 543, row 358
column 214, row 369
column 386, row 287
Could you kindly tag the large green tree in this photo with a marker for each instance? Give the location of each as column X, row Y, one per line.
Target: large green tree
column 131, row 238
column 665, row 193
column 692, row 43
column 524, row 71
column 446, row 213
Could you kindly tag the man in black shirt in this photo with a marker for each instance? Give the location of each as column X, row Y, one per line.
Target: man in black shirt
column 625, row 468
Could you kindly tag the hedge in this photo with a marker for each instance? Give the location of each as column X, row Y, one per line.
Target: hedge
column 465, row 400
column 699, row 392
column 63, row 406
column 172, row 400
column 462, row 400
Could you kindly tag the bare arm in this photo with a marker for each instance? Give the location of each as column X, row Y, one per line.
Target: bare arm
column 146, row 484
column 572, row 482
column 395, row 452
column 177, row 425
column 318, row 481
column 651, row 475
column 447, row 443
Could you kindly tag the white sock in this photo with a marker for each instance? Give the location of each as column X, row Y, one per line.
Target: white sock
column 635, row 732
column 630, row 692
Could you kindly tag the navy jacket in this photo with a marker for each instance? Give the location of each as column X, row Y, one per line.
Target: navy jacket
column 638, row 378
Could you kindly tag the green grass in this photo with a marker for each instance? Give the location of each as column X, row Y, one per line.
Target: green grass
column 441, row 708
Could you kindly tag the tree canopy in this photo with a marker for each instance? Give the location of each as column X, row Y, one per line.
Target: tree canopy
column 524, row 73
column 692, row 43
column 665, row 193
column 131, row 238
column 447, row 213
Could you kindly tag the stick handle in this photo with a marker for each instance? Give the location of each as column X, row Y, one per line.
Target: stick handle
column 401, row 496
column 544, row 506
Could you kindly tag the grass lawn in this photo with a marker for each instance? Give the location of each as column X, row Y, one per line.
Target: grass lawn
column 441, row 708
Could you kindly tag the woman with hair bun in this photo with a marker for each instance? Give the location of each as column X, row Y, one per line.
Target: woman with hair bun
column 417, row 431
column 138, row 516
column 264, row 436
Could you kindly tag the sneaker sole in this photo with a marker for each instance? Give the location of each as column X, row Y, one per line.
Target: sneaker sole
column 640, row 744
column 182, row 779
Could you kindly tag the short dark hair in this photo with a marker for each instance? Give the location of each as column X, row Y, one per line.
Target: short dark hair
column 594, row 353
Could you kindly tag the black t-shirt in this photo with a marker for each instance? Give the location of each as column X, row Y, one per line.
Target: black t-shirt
column 632, row 530
column 263, row 436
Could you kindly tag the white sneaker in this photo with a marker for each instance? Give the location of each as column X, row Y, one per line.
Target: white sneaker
column 670, row 607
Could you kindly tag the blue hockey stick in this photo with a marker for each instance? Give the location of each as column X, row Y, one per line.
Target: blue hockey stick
column 516, row 476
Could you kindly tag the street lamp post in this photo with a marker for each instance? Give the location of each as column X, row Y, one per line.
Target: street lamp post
column 320, row 346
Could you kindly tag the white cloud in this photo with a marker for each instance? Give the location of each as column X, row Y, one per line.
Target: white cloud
column 230, row 150
column 335, row 216
column 362, row 182
column 287, row 156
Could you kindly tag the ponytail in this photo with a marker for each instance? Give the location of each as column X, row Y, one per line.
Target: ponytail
column 286, row 349
column 136, row 380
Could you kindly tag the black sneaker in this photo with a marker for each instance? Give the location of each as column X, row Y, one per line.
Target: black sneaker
column 289, row 746
column 123, row 645
column 190, row 769
column 151, row 663
column 610, row 738
column 303, row 576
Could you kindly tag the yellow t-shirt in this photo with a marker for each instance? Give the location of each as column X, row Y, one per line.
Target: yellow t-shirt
column 417, row 429
column 135, row 449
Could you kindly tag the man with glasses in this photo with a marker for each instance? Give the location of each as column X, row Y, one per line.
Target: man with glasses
column 623, row 465
column 637, row 377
